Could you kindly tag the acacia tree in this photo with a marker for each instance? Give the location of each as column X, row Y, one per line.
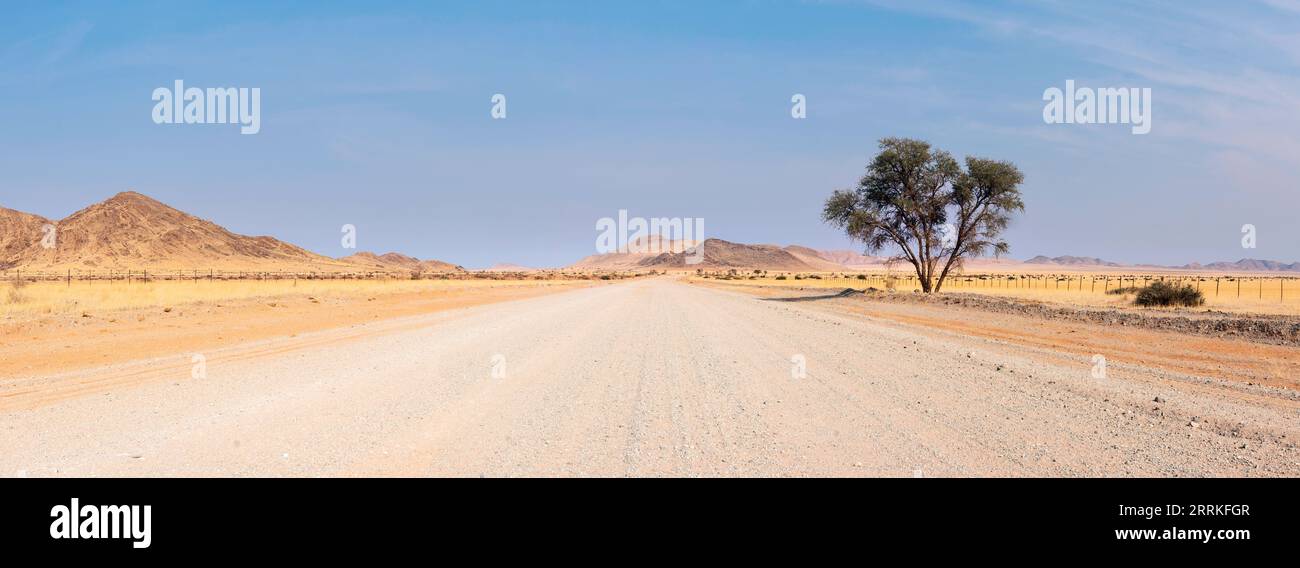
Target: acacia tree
column 923, row 202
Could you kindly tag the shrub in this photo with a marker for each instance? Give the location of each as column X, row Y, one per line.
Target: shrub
column 862, row 277
column 1164, row 294
column 781, row 277
column 1125, row 290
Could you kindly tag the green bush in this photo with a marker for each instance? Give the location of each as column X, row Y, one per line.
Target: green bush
column 1165, row 294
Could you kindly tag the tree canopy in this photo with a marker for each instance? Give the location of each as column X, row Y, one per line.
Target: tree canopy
column 922, row 201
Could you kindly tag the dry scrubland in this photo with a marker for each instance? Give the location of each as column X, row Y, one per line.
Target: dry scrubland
column 1243, row 294
column 52, row 327
column 22, row 299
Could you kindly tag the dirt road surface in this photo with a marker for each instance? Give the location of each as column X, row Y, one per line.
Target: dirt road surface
column 646, row 378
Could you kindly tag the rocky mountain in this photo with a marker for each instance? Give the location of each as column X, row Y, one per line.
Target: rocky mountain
column 19, row 233
column 814, row 258
column 398, row 261
column 638, row 251
column 131, row 231
column 717, row 253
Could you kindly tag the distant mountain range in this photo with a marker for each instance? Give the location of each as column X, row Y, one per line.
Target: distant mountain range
column 133, row 231
column 398, row 261
column 1243, row 265
column 719, row 254
column 725, row 254
column 850, row 258
column 1246, row 264
column 1071, row 261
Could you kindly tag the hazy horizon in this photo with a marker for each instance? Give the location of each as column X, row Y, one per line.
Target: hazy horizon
column 854, row 248
column 379, row 117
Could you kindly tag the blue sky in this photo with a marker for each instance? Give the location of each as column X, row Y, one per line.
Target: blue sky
column 377, row 115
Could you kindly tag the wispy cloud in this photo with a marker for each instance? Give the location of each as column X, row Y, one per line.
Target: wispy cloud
column 32, row 58
column 1225, row 76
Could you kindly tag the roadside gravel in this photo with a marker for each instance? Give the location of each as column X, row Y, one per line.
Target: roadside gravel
column 651, row 377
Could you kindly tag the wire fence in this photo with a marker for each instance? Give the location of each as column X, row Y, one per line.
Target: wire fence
column 1260, row 287
column 197, row 275
column 1282, row 288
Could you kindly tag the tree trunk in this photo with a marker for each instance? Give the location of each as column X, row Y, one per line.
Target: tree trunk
column 921, row 277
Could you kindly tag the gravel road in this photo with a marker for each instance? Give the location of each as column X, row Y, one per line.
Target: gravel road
column 646, row 378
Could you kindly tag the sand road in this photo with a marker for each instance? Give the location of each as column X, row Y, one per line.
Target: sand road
column 651, row 377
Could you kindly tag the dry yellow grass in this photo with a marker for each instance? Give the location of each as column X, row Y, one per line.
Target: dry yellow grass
column 35, row 299
column 1258, row 295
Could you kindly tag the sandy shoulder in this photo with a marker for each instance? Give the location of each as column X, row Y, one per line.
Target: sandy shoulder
column 1244, row 365
column 65, row 343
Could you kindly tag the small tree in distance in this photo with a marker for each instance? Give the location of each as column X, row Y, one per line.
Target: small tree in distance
column 920, row 200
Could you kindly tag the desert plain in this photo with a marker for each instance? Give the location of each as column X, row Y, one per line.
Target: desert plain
column 251, row 357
